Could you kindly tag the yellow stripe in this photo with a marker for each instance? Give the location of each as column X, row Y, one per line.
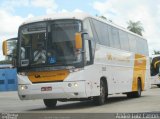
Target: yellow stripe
column 48, row 76
column 156, row 63
column 139, row 71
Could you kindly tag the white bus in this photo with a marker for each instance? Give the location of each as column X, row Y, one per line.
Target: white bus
column 155, row 70
column 75, row 56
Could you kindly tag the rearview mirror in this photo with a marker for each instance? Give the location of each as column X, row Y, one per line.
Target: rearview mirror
column 78, row 41
column 9, row 47
column 4, row 48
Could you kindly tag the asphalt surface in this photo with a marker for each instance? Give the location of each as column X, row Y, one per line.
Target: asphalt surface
column 149, row 102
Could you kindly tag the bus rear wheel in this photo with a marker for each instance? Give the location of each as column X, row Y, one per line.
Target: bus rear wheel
column 137, row 93
column 50, row 103
column 158, row 85
column 100, row 100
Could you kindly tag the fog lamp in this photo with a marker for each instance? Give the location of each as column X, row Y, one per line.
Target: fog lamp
column 69, row 85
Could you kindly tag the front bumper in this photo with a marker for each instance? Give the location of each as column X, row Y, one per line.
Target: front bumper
column 60, row 90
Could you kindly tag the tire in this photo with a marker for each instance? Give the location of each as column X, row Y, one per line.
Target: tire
column 130, row 95
column 137, row 93
column 100, row 100
column 158, row 85
column 50, row 103
column 139, row 90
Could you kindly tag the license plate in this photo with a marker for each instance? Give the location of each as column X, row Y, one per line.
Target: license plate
column 46, row 89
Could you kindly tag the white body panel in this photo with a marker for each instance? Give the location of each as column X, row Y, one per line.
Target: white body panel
column 155, row 80
column 147, row 83
column 116, row 70
column 59, row 91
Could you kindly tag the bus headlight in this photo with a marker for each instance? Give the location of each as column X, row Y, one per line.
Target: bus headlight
column 23, row 73
column 24, row 87
column 75, row 84
column 72, row 85
column 75, row 70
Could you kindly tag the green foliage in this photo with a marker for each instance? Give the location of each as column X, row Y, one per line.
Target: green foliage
column 103, row 17
column 5, row 62
column 156, row 52
column 135, row 27
column 12, row 45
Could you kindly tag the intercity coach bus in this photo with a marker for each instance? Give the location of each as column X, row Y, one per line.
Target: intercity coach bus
column 75, row 56
column 155, row 70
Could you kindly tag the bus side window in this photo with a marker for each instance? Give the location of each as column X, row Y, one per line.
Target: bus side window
column 115, row 36
column 124, row 40
column 132, row 43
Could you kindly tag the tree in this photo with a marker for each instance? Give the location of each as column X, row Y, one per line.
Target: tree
column 135, row 27
column 5, row 62
column 12, row 49
column 103, row 17
column 156, row 52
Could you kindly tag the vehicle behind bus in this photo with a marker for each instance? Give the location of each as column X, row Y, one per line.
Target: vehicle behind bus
column 155, row 70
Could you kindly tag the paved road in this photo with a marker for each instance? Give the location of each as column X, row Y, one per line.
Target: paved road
column 149, row 102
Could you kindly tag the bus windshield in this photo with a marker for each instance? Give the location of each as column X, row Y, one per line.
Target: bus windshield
column 49, row 43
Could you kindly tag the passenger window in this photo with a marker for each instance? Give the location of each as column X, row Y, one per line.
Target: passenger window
column 102, row 32
column 132, row 43
column 124, row 40
column 140, row 45
column 111, row 42
column 115, row 39
column 105, row 35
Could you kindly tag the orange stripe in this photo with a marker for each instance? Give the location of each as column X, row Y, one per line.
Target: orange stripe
column 139, row 71
column 48, row 76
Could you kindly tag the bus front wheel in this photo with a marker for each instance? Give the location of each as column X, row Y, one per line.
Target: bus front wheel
column 100, row 100
column 50, row 103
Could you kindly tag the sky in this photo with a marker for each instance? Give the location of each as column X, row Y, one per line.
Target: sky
column 14, row 12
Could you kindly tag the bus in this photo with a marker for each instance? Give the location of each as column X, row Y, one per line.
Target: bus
column 155, row 70
column 76, row 57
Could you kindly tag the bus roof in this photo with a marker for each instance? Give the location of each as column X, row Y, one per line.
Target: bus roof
column 68, row 15
column 75, row 15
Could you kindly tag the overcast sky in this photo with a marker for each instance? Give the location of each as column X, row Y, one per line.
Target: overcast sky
column 14, row 12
